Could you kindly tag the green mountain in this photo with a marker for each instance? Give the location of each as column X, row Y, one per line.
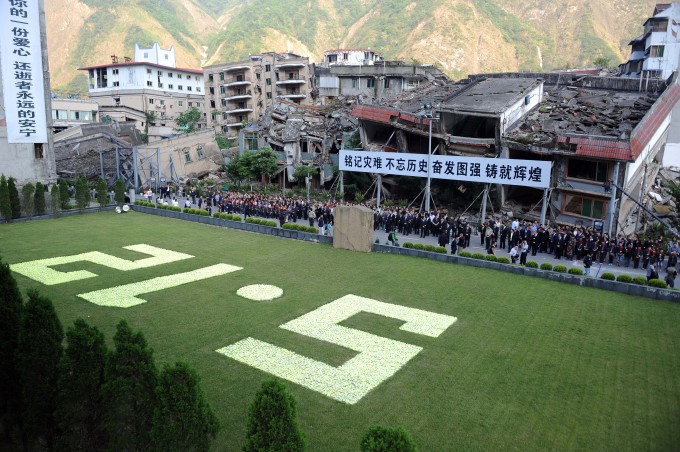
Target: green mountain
column 460, row 36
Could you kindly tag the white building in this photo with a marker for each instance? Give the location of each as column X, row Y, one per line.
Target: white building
column 71, row 112
column 150, row 83
column 656, row 53
column 350, row 57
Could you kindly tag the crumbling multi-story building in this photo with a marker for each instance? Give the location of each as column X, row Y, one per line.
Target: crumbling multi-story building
column 594, row 130
column 239, row 93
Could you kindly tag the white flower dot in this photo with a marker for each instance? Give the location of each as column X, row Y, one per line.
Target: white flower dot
column 260, row 292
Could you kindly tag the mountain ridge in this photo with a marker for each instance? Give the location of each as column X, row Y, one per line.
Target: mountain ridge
column 459, row 36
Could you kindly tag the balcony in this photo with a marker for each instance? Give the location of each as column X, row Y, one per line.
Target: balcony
column 237, row 68
column 235, row 82
column 290, row 65
column 293, row 96
column 235, row 124
column 296, row 80
column 243, row 108
column 238, row 97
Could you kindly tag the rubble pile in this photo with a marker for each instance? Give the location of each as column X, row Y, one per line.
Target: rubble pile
column 583, row 111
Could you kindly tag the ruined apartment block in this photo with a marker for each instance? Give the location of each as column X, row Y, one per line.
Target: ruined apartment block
column 240, row 93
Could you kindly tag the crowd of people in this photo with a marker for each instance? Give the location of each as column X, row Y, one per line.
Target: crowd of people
column 519, row 238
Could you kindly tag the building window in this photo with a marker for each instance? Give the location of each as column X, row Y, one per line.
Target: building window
column 345, row 56
column 585, row 207
column 269, row 95
column 179, row 75
column 149, row 83
column 332, row 58
column 588, row 170
column 180, row 87
column 268, row 81
column 267, row 67
column 151, row 101
column 223, row 90
column 198, row 88
column 187, row 156
column 170, row 74
column 148, row 71
column 214, row 116
column 188, row 88
column 166, row 56
column 190, row 104
column 160, row 73
column 224, row 115
column 211, row 90
column 387, row 83
column 171, row 86
column 198, row 79
column 146, row 54
column 115, row 72
column 200, row 153
column 212, row 104
column 221, row 75
column 355, row 82
column 210, row 78
column 38, row 151
column 370, row 83
column 198, row 105
column 225, row 129
column 366, row 56
column 116, row 83
column 180, row 103
column 161, row 101
column 257, row 75
column 656, row 51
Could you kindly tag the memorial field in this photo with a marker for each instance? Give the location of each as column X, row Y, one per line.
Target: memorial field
column 461, row 357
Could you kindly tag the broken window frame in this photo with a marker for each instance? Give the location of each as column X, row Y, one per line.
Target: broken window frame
column 579, row 169
column 583, row 206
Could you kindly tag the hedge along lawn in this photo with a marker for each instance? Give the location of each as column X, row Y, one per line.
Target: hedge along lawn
column 529, row 364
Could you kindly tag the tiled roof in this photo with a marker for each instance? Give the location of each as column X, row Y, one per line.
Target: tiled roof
column 603, row 149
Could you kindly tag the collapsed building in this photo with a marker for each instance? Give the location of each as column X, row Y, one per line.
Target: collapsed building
column 115, row 150
column 598, row 133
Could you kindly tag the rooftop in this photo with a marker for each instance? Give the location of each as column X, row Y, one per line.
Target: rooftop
column 493, row 95
column 143, row 63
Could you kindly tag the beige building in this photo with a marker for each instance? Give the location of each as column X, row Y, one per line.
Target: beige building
column 71, row 112
column 239, row 93
column 151, row 83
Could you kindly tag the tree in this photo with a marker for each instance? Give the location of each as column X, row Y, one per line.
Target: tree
column 381, row 439
column 187, row 121
column 237, row 169
column 102, row 193
column 39, row 199
column 82, row 193
column 302, row 172
column 183, row 420
column 38, row 353
column 27, row 198
column 271, row 421
column 64, row 194
column 14, row 197
column 55, row 199
column 262, row 163
column 129, row 391
column 119, row 191
column 602, row 62
column 5, row 203
column 224, row 142
column 11, row 305
column 80, row 405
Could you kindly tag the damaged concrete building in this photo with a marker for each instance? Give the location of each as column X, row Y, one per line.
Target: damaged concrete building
column 115, row 150
column 594, row 130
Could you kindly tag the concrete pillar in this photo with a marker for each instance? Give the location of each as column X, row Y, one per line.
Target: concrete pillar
column 612, row 201
column 544, row 207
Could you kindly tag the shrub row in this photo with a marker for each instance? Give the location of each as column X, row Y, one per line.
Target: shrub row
column 639, row 280
column 167, row 207
column 145, row 203
column 300, row 227
column 261, row 222
column 228, row 216
column 197, row 212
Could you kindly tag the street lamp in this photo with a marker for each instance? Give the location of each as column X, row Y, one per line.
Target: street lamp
column 431, row 117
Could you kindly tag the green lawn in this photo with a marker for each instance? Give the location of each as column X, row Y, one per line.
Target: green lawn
column 530, row 364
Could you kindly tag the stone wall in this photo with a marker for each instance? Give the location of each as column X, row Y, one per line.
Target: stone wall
column 353, row 228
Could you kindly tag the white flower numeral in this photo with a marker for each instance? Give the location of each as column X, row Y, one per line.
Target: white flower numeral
column 120, row 296
column 127, row 295
column 379, row 358
column 39, row 270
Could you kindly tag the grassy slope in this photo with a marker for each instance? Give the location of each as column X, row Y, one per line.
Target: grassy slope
column 530, row 364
